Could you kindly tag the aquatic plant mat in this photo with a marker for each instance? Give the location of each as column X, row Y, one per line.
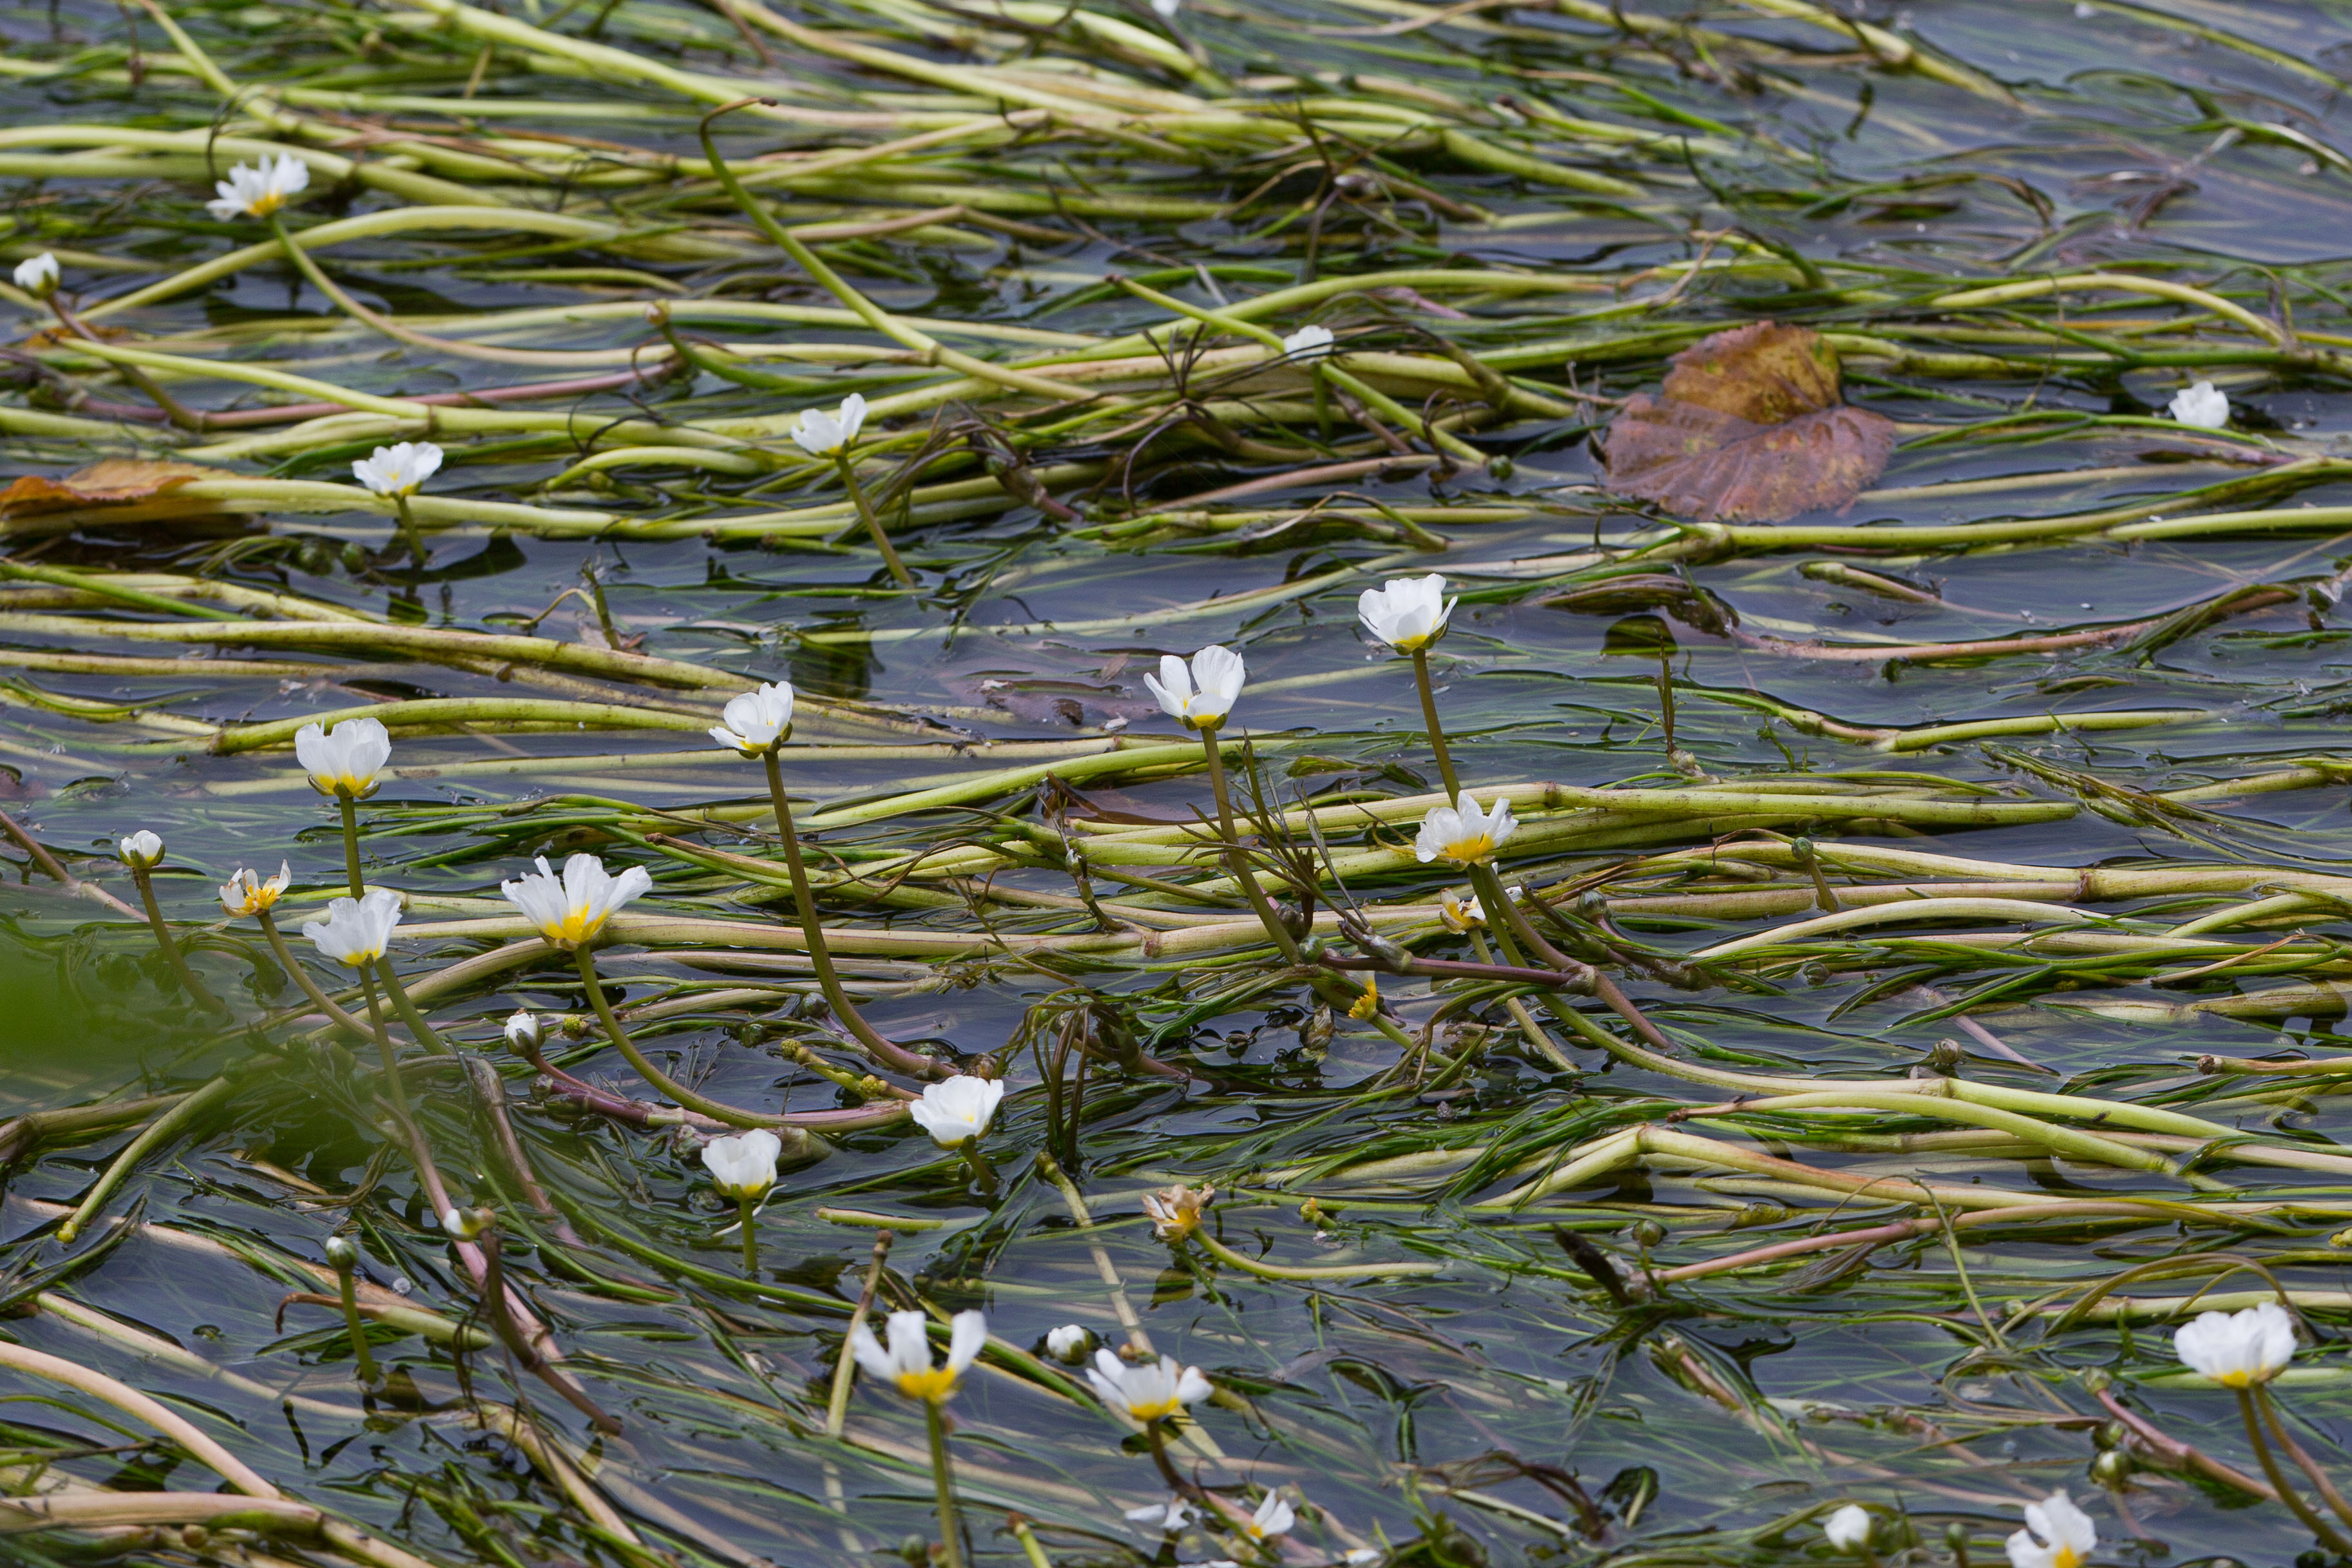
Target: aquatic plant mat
column 1928, row 755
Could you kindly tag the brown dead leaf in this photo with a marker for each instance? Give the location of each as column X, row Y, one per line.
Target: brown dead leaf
column 1750, row 430
column 117, row 481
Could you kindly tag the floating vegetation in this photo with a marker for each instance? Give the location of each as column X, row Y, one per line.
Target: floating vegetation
column 1314, row 782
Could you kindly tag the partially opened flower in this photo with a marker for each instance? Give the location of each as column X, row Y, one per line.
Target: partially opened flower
column 570, row 909
column 1168, row 1518
column 143, row 850
column 465, row 1225
column 523, row 1031
column 1307, row 343
column 1408, row 612
column 1274, row 1517
column 1848, row 1529
column 356, row 930
column 1068, row 1343
column 1176, row 1211
column 957, row 1109
column 2057, row 1534
column 2203, row 405
column 257, row 192
column 2238, row 1350
column 823, row 434
column 1151, row 1392
column 344, row 761
column 743, row 1168
column 1463, row 833
column 758, row 720
column 1202, row 695
column 245, row 893
column 906, row 1364
column 399, row 470
column 38, row 276
column 1460, row 914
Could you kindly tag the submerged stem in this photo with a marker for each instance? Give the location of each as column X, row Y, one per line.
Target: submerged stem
column 873, row 522
column 745, row 1207
column 943, row 1478
column 2287, row 1494
column 171, row 954
column 718, row 1110
column 351, row 813
column 1436, row 729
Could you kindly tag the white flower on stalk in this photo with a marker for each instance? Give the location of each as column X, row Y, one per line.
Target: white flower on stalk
column 906, row 1364
column 956, row 1109
column 2238, row 1350
column 570, row 909
column 1274, row 1517
column 1464, row 834
column 1068, row 1343
column 344, row 761
column 257, row 191
column 356, row 930
column 522, row 1030
column 823, row 434
column 399, row 470
column 245, row 893
column 38, row 277
column 142, row 851
column 1168, row 1518
column 757, row 720
column 1151, row 1392
column 1200, row 695
column 743, row 1167
column 1460, row 914
column 1407, row 612
column 2203, row 405
column 2057, row 1534
column 1307, row 343
column 1848, row 1529
column 1176, row 1211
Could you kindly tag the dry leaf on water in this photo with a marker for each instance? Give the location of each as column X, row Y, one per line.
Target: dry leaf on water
column 117, row 481
column 1750, row 430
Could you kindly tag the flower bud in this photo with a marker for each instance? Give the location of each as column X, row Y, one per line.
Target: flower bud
column 343, row 1254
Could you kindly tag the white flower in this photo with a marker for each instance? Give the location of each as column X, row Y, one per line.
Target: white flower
column 399, row 470
column 142, row 849
column 1406, row 614
column 1362, row 1557
column 743, row 1167
column 2066, row 1535
column 38, row 277
column 1848, row 1529
column 1464, row 834
column 2204, row 405
column 2238, row 1350
column 570, row 910
column 522, row 1030
column 1167, row 8
column 257, row 193
column 906, row 1364
column 356, row 930
column 1460, row 914
column 1307, row 343
column 958, row 1108
column 820, row 435
column 1201, row 696
column 1167, row 1517
column 465, row 1225
column 757, row 720
column 1176, row 1211
column 344, row 761
column 245, row 893
column 1274, row 1517
column 1151, row 1391
column 1068, row 1342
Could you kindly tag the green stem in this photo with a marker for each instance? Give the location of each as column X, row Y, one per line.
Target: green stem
column 160, row 1131
column 836, row 1404
column 887, row 1052
column 744, row 1206
column 395, row 1092
column 350, row 811
column 408, row 531
column 407, row 1009
column 1237, row 858
column 2277, row 1477
column 1436, row 729
column 171, row 956
column 2309, row 1466
column 873, row 522
column 718, row 1110
column 943, row 1478
column 1029, row 1546
column 293, row 966
column 363, row 1355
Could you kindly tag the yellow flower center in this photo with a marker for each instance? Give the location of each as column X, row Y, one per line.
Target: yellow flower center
column 574, row 928
column 934, row 1385
column 2065, row 1558
column 2235, row 1379
column 1156, row 1410
column 1368, row 1004
column 1407, row 644
column 1470, row 851
column 267, row 202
